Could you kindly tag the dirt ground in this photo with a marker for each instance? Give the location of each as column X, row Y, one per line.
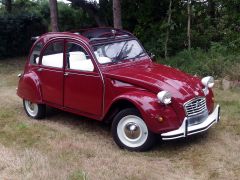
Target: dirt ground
column 66, row 146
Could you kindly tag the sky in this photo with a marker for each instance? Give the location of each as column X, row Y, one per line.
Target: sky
column 65, row 1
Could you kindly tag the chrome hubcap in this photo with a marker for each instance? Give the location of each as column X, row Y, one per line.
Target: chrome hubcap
column 132, row 130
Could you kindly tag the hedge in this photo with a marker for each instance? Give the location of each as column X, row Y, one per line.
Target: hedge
column 16, row 32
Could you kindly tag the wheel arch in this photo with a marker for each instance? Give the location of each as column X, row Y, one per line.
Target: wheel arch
column 29, row 88
column 133, row 99
column 118, row 105
column 149, row 108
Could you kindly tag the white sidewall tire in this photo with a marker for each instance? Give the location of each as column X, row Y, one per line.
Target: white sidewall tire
column 34, row 110
column 142, row 138
column 138, row 141
column 31, row 108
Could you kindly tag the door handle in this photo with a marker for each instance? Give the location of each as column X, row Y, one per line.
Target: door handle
column 66, row 74
column 40, row 69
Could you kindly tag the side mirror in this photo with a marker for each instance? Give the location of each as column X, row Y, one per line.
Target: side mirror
column 153, row 57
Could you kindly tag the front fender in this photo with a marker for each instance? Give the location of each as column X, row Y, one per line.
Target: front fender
column 29, row 87
column 151, row 110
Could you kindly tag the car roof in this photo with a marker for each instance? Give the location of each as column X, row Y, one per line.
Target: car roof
column 105, row 35
column 52, row 35
column 92, row 35
column 101, row 32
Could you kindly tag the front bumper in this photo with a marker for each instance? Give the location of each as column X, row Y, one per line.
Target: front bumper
column 186, row 130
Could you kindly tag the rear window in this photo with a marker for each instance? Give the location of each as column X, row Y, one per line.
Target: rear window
column 53, row 55
column 34, row 58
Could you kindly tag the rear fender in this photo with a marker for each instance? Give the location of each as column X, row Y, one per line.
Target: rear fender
column 29, row 87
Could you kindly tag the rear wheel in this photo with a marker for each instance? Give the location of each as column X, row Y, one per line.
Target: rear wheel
column 36, row 111
column 130, row 131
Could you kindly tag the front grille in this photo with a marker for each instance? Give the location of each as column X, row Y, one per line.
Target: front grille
column 195, row 106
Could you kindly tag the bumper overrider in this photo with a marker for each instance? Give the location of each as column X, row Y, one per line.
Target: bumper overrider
column 185, row 130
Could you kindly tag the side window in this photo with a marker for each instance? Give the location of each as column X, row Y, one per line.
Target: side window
column 53, row 55
column 78, row 58
column 34, row 58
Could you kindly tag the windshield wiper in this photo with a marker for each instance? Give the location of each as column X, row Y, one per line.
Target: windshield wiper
column 118, row 59
column 115, row 60
column 139, row 55
column 119, row 56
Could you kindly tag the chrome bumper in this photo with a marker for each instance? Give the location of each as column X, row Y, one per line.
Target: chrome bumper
column 186, row 130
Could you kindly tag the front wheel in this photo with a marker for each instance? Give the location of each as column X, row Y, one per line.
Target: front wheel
column 130, row 131
column 36, row 111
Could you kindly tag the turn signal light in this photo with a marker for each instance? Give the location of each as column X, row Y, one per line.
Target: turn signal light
column 160, row 119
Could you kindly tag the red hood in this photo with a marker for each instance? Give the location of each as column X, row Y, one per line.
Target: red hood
column 156, row 77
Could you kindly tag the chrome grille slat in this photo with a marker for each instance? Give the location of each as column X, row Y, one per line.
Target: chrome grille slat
column 195, row 106
column 199, row 109
column 199, row 104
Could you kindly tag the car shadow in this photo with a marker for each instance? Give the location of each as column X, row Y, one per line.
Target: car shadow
column 75, row 121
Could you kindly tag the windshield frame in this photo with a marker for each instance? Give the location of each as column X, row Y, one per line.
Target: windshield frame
column 115, row 40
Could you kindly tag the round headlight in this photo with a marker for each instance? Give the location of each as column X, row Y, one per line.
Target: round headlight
column 208, row 81
column 164, row 97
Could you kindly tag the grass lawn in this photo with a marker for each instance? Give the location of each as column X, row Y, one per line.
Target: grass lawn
column 65, row 146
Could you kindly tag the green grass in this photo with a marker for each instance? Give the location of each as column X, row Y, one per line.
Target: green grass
column 19, row 134
column 78, row 175
column 230, row 109
column 9, row 66
column 6, row 113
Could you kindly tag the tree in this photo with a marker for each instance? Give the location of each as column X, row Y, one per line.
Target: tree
column 212, row 11
column 54, row 15
column 8, row 5
column 168, row 27
column 189, row 7
column 92, row 9
column 117, row 16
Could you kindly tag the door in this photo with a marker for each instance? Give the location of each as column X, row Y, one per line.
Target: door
column 83, row 86
column 51, row 72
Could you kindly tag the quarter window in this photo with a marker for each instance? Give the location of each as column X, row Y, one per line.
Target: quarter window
column 53, row 55
column 34, row 58
column 78, row 58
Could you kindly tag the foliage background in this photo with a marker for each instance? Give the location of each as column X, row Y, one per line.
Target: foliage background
column 215, row 30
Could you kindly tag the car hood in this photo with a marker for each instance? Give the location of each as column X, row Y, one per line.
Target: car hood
column 155, row 77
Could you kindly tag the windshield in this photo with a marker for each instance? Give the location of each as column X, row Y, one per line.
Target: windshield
column 118, row 51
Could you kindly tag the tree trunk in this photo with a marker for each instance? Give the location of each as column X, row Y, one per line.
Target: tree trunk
column 117, row 17
column 168, row 28
column 8, row 5
column 189, row 24
column 54, row 15
column 212, row 11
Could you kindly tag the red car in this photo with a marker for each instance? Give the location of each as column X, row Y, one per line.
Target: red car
column 105, row 74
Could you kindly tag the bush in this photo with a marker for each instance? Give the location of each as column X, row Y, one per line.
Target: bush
column 233, row 73
column 16, row 32
column 219, row 61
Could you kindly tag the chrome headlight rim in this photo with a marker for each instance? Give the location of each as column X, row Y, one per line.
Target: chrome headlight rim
column 164, row 97
column 208, row 81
